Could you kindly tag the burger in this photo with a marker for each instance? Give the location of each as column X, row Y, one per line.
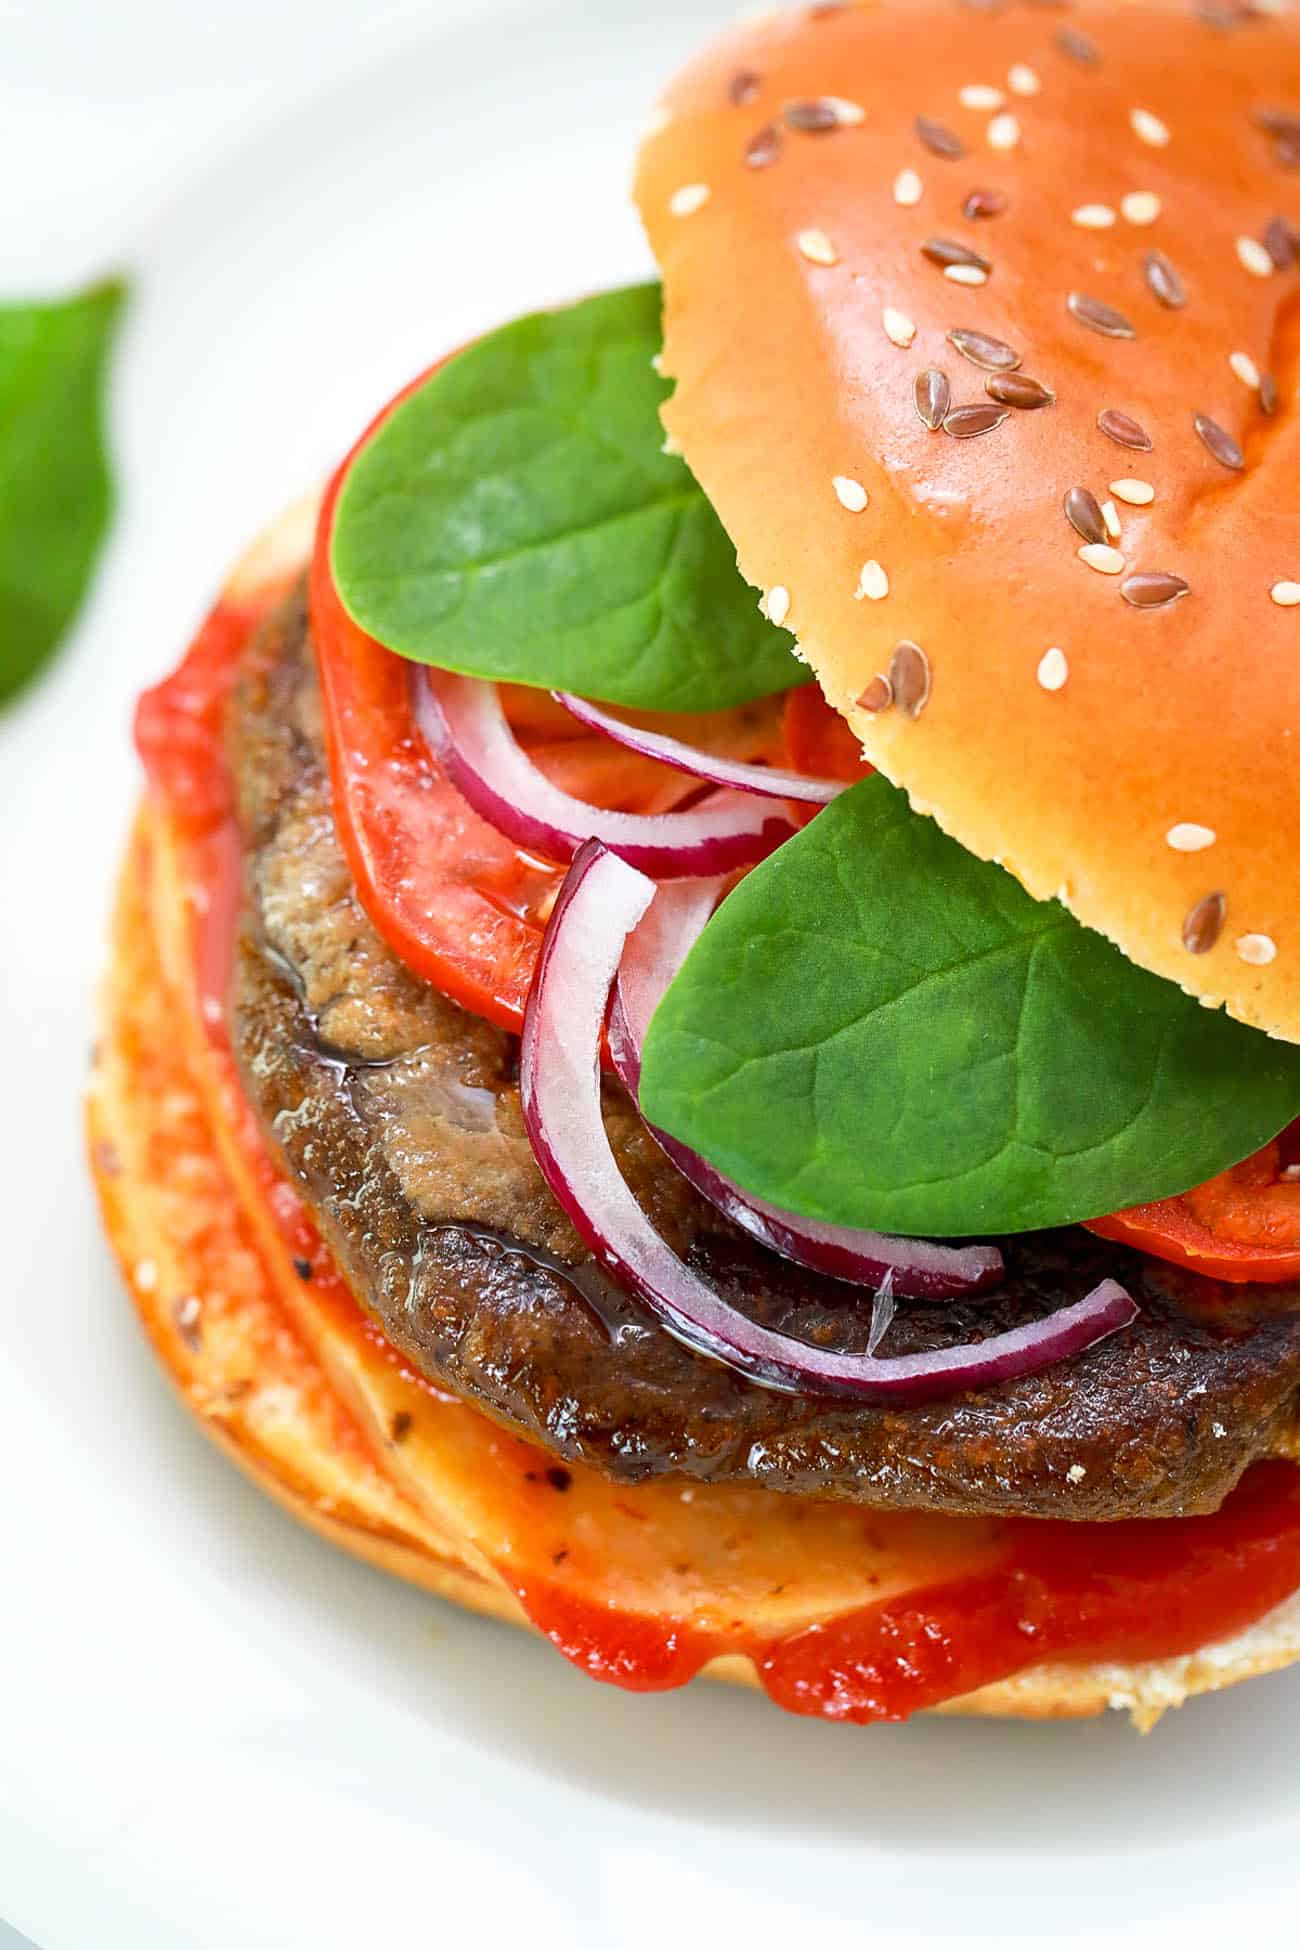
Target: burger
column 702, row 1040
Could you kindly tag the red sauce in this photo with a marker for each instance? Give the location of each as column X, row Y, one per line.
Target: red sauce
column 1150, row 1588
column 1144, row 1589
column 179, row 733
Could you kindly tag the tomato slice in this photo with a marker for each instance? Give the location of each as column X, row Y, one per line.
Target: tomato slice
column 1242, row 1226
column 818, row 742
column 453, row 898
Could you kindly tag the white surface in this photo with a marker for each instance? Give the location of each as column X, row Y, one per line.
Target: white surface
column 213, row 1730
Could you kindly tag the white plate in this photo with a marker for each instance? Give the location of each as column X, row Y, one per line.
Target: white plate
column 214, row 1731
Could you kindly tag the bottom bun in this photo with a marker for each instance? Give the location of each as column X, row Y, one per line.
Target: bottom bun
column 285, row 1373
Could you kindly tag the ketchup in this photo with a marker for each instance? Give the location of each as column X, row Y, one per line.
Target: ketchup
column 1147, row 1588
column 180, row 736
column 1050, row 1590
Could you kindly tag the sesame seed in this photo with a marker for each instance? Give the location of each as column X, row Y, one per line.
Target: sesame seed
column 1277, row 121
column 1083, row 512
column 764, row 147
column 979, row 96
column 1138, row 494
column 1110, row 515
column 1218, row 442
column 944, row 251
column 1148, row 128
column 743, row 87
column 1282, row 243
column 1078, row 47
column 850, row 493
column 776, row 604
column 1286, row 594
column 1140, row 207
column 993, row 355
column 1075, row 1473
column 1023, row 80
column 657, row 363
column 931, row 395
column 970, row 274
column 811, row 117
column 1107, row 561
column 1204, row 924
column 145, row 1275
column 1269, row 397
column 1187, row 837
column 849, row 115
column 1123, row 430
column 1254, row 257
column 1257, row 949
column 877, row 697
column 981, row 204
column 817, row 247
column 1163, row 281
column 873, row 583
column 907, row 188
column 1019, row 390
column 968, row 422
column 1098, row 317
column 1245, row 368
column 1053, row 669
column 1153, row 589
column 1003, row 132
column 671, row 445
column 187, row 1313
column 938, row 139
column 909, row 678
column 688, row 199
column 1093, row 216
column 899, row 328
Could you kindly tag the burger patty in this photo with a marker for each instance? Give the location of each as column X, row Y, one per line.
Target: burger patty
column 398, row 1115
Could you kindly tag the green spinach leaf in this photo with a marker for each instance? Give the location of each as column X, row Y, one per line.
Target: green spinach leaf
column 878, row 1029
column 55, row 491
column 516, row 518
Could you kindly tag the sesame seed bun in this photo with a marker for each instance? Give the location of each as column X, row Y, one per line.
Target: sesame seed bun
column 401, row 1475
column 876, row 223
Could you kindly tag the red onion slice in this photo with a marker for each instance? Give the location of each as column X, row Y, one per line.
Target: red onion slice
column 465, row 727
column 600, row 903
column 765, row 780
column 920, row 1269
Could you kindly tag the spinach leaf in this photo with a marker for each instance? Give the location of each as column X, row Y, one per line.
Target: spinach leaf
column 516, row 518
column 55, row 493
column 878, row 1029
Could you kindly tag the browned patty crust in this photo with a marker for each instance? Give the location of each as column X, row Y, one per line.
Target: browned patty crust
column 398, row 1115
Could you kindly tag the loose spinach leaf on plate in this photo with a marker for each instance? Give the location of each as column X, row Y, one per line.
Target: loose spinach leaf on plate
column 55, row 490
column 516, row 518
column 878, row 1029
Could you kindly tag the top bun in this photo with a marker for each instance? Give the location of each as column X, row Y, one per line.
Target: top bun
column 850, row 200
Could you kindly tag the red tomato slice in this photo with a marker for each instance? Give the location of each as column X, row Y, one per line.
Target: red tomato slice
column 450, row 895
column 817, row 740
column 461, row 905
column 1242, row 1226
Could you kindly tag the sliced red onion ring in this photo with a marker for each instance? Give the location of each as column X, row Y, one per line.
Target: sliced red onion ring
column 763, row 779
column 465, row 727
column 600, row 903
column 921, row 1270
